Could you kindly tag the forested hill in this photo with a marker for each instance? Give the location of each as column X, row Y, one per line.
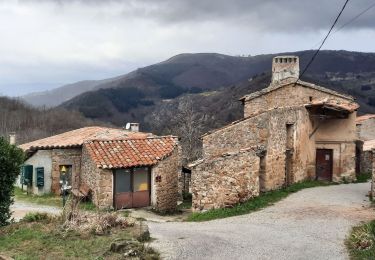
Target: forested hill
column 30, row 123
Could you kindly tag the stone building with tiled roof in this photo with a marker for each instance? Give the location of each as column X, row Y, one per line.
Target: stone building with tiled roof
column 114, row 167
column 291, row 131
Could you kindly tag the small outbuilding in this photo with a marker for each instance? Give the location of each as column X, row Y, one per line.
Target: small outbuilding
column 114, row 167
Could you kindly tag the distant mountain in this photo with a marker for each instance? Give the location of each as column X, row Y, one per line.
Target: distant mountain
column 132, row 96
column 208, row 85
column 57, row 96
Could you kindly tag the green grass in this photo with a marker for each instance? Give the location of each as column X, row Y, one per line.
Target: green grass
column 254, row 204
column 361, row 242
column 43, row 238
column 364, row 177
column 48, row 199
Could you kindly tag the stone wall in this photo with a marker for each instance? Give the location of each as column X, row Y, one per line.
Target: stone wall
column 99, row 181
column 366, row 161
column 269, row 129
column 65, row 157
column 165, row 193
column 289, row 95
column 366, row 129
column 225, row 180
column 373, row 175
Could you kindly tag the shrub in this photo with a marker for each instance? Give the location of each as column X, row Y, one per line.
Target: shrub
column 11, row 159
column 35, row 217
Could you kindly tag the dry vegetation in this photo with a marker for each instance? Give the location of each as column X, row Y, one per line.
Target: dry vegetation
column 77, row 234
column 31, row 123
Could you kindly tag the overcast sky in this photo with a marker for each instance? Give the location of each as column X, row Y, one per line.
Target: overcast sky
column 48, row 43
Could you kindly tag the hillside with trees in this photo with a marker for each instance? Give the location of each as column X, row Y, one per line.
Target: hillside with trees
column 33, row 123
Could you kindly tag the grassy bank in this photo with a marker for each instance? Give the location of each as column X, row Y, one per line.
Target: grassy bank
column 45, row 199
column 49, row 199
column 264, row 200
column 40, row 236
column 361, row 242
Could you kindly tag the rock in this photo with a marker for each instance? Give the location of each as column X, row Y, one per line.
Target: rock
column 124, row 245
column 144, row 233
column 4, row 257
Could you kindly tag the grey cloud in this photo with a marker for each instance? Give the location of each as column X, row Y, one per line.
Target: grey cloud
column 272, row 15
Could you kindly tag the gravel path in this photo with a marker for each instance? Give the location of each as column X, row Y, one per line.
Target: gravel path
column 21, row 208
column 310, row 224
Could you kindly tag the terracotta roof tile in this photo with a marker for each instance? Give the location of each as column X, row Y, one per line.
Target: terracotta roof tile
column 360, row 119
column 132, row 152
column 77, row 137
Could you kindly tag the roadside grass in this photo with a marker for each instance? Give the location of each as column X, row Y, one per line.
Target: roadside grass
column 361, row 241
column 364, row 177
column 48, row 199
column 257, row 203
column 40, row 236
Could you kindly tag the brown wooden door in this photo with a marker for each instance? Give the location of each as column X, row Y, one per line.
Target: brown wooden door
column 123, row 189
column 132, row 188
column 324, row 164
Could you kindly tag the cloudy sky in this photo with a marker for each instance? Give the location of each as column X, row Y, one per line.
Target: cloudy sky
column 48, row 43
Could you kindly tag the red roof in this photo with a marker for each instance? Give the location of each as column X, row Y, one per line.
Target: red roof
column 360, row 119
column 334, row 104
column 77, row 137
column 125, row 153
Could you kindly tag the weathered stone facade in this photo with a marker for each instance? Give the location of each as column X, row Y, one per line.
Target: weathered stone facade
column 225, row 180
column 99, row 181
column 373, row 175
column 366, row 161
column 65, row 157
column 289, row 95
column 165, row 193
column 292, row 122
column 366, row 130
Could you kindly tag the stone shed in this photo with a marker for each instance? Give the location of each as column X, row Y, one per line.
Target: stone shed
column 366, row 142
column 132, row 172
column 60, row 155
column 291, row 131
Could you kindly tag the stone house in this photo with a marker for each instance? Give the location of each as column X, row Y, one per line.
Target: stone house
column 366, row 142
column 70, row 156
column 291, row 131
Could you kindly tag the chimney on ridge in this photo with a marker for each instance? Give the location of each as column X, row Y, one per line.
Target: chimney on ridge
column 12, row 138
column 132, row 127
column 285, row 67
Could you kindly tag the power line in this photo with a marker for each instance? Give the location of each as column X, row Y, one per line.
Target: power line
column 324, row 40
column 349, row 22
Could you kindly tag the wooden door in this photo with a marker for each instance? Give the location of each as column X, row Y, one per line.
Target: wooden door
column 132, row 188
column 324, row 164
column 123, row 189
column 141, row 187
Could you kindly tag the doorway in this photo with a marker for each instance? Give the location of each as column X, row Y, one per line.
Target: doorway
column 132, row 188
column 324, row 164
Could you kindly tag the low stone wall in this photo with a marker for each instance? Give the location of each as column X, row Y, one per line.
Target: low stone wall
column 225, row 180
column 165, row 192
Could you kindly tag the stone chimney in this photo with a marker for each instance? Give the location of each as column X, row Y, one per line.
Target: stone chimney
column 12, row 138
column 285, row 67
column 133, row 127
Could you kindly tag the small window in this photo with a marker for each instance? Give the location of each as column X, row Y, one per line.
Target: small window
column 285, row 60
column 290, row 60
column 310, row 98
